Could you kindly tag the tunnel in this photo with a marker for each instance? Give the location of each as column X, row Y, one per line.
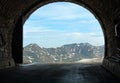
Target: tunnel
column 14, row 13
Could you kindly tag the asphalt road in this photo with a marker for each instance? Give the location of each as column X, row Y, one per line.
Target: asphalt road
column 58, row 73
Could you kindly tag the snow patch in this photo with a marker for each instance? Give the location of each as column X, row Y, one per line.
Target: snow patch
column 93, row 60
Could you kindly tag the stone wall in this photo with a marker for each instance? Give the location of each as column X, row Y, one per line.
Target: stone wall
column 5, row 48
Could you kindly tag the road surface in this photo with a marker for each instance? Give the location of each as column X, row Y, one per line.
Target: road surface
column 57, row 73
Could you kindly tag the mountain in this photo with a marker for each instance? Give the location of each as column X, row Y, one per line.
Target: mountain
column 34, row 53
column 66, row 53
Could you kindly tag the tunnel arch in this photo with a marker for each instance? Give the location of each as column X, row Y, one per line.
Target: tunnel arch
column 33, row 7
column 15, row 12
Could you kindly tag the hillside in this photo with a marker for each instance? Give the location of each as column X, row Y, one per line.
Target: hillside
column 66, row 53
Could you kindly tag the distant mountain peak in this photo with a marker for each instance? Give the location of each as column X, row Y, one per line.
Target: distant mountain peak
column 68, row 52
column 33, row 45
column 78, row 44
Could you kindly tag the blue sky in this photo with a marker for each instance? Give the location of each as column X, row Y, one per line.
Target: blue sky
column 60, row 23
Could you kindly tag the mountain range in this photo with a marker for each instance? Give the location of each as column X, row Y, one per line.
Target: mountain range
column 66, row 53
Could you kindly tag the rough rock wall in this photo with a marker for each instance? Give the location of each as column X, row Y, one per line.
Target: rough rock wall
column 5, row 45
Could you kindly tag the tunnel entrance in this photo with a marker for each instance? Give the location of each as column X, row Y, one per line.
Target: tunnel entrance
column 62, row 32
column 13, row 17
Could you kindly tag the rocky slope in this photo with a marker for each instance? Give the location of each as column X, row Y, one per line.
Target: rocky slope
column 66, row 53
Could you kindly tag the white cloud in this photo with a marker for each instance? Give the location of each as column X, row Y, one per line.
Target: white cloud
column 75, row 35
column 88, row 21
column 31, row 30
column 78, row 35
column 58, row 11
column 95, row 38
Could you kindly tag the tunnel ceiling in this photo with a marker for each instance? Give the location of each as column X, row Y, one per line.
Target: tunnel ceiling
column 13, row 9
